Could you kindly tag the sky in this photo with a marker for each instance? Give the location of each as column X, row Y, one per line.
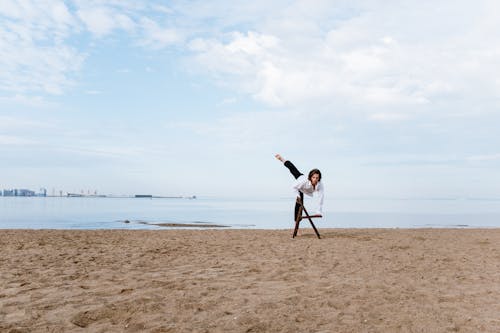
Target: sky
column 389, row 99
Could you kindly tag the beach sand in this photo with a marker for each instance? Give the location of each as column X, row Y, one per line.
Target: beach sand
column 352, row 280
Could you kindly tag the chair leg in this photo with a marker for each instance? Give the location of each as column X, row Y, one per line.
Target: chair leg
column 298, row 218
column 297, row 222
column 311, row 221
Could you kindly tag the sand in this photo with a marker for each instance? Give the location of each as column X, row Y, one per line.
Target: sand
column 375, row 280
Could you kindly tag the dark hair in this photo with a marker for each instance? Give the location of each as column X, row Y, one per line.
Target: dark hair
column 312, row 172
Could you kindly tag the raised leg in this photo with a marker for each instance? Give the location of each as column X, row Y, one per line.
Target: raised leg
column 293, row 170
column 289, row 165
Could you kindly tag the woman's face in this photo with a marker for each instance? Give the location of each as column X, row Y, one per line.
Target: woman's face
column 315, row 179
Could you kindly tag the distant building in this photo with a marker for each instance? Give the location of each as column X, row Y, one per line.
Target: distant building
column 8, row 193
column 25, row 193
column 19, row 193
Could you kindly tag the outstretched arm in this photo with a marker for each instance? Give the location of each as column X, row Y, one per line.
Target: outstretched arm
column 281, row 159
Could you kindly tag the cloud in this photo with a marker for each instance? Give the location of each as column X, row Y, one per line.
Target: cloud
column 283, row 54
column 33, row 56
column 41, row 15
column 245, row 60
column 372, row 56
column 47, row 69
column 156, row 36
column 101, row 21
column 38, row 52
column 274, row 73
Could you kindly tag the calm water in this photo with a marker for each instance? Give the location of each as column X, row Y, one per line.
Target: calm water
column 109, row 213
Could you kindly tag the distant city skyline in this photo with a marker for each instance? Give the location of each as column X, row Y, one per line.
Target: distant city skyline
column 184, row 98
column 24, row 192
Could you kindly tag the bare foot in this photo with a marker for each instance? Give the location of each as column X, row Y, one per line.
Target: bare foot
column 278, row 156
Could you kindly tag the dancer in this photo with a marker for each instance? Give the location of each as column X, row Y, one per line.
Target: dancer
column 308, row 185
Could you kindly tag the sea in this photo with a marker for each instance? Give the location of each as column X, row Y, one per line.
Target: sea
column 243, row 213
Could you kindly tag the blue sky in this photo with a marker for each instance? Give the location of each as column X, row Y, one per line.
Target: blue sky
column 392, row 99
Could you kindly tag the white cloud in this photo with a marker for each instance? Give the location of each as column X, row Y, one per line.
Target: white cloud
column 38, row 18
column 156, row 36
column 246, row 61
column 103, row 20
column 373, row 56
column 265, row 67
column 37, row 48
column 33, row 56
column 283, row 54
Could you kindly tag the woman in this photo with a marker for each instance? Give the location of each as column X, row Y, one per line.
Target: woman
column 308, row 185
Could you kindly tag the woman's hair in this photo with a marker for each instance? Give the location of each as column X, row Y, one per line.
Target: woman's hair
column 314, row 171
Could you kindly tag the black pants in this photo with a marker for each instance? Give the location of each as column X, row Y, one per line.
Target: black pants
column 296, row 173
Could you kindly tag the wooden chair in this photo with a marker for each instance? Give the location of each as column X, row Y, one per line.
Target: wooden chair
column 302, row 209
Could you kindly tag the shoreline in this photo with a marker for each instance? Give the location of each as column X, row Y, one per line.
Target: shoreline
column 250, row 280
column 174, row 226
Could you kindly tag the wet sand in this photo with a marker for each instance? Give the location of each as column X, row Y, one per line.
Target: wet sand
column 352, row 280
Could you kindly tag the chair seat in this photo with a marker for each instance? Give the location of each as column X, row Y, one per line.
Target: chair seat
column 317, row 216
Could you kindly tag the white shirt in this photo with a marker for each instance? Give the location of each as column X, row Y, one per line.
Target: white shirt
column 302, row 184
